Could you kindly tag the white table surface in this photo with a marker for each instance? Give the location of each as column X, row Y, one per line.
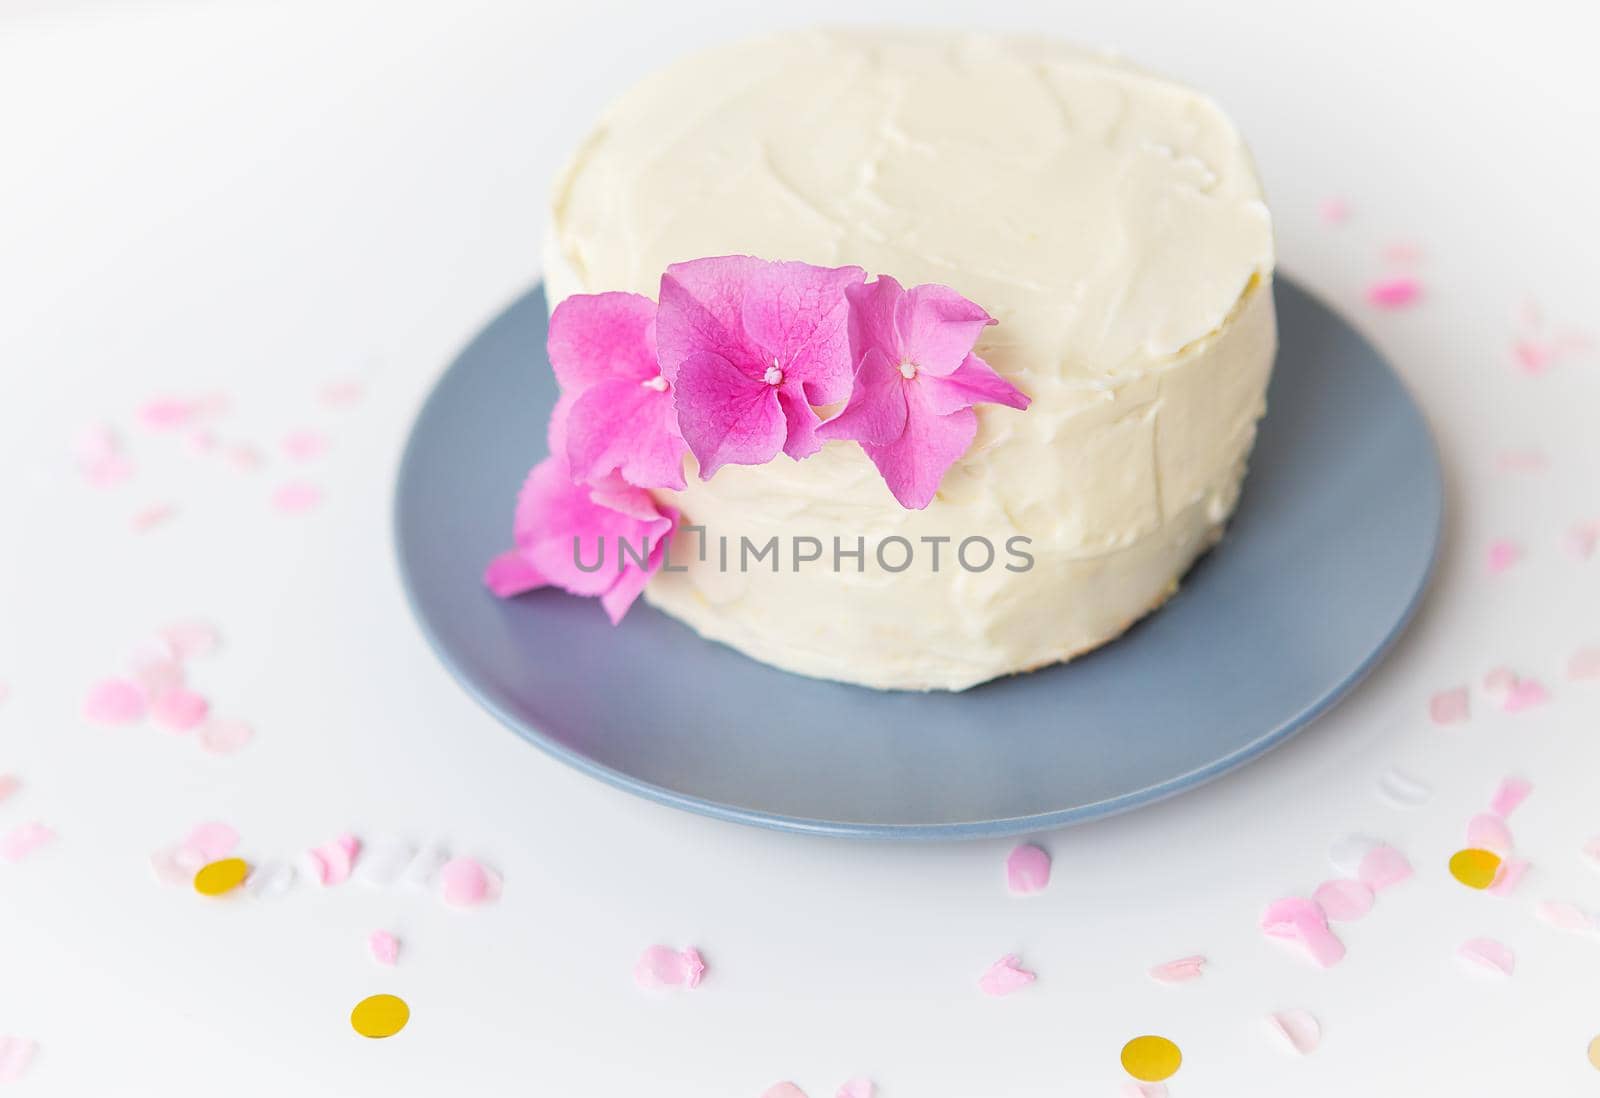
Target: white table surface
column 260, row 199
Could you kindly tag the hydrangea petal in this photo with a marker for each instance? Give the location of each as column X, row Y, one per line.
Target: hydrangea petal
column 510, row 574
column 629, row 428
column 602, row 337
column 877, row 410
column 795, row 314
column 973, row 382
column 938, row 327
column 726, row 417
column 914, row 465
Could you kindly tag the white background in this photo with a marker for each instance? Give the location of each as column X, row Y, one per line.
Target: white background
column 263, row 198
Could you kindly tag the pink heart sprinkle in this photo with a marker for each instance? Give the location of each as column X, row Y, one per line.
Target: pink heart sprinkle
column 1180, row 971
column 1343, row 900
column 464, row 882
column 1394, row 293
column 1449, row 706
column 114, row 701
column 1488, row 831
column 296, row 497
column 179, row 710
column 1503, row 553
column 167, row 413
column 23, row 840
column 1027, row 869
column 385, row 947
column 305, row 445
column 16, row 1053
column 1585, row 664
column 856, row 1088
column 1564, row 916
column 189, row 639
column 8, row 786
column 331, row 863
column 783, row 1090
column 1004, row 977
column 662, row 966
column 1383, row 867
column 1489, row 954
column 223, row 736
column 212, row 840
column 1296, row 1028
column 1524, row 695
column 1508, row 876
column 1509, row 795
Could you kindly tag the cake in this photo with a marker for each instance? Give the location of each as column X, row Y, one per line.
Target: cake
column 1111, row 224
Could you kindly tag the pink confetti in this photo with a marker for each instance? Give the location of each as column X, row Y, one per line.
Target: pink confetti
column 1585, row 664
column 1503, row 553
column 1508, row 877
column 304, row 445
column 202, row 442
column 340, row 394
column 8, row 786
column 167, row 413
column 1343, row 900
column 783, row 1090
column 856, row 1088
column 244, row 457
column 16, row 1053
column 465, row 882
column 296, row 497
column 1383, row 867
column 1402, row 253
column 108, row 471
column 1004, row 977
column 223, row 736
column 148, row 518
column 114, row 701
column 1487, row 953
column 1509, row 795
column 331, row 863
column 1583, row 538
column 1027, row 870
column 157, row 675
column 1333, row 211
column 662, row 966
column 189, row 639
column 1522, row 461
column 23, row 840
column 211, row 840
column 1488, row 831
column 1499, row 681
column 385, row 947
column 1296, row 919
column 1564, row 916
column 1591, row 850
column 1298, row 1029
column 1394, row 293
column 1180, row 971
column 1449, row 706
column 1132, row 1088
column 1525, row 694
column 179, row 710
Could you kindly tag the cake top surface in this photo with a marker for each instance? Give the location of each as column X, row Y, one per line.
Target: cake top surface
column 1106, row 217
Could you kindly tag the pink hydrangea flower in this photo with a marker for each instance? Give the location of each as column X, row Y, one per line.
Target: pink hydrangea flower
column 748, row 347
column 621, row 420
column 915, row 383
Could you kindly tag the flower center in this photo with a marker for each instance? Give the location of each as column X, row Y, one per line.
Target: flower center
column 658, row 383
column 774, row 374
column 908, row 370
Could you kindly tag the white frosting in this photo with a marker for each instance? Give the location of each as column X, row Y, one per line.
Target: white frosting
column 1112, row 221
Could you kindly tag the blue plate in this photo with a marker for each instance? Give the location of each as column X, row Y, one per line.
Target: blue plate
column 1319, row 571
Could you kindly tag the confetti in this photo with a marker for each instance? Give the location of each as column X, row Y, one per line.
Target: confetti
column 465, row 882
column 1499, row 681
column 304, row 445
column 1346, row 853
column 1394, row 293
column 1296, row 919
column 1027, row 870
column 1343, row 900
column 157, row 675
column 856, row 1088
column 1383, row 867
column 1510, row 874
column 783, row 1090
column 1486, row 953
column 662, row 966
column 380, row 1016
column 1004, row 977
column 1488, row 831
column 148, row 518
column 16, row 1054
column 1591, row 850
column 339, row 394
column 211, row 840
column 384, row 861
column 1449, row 706
column 1522, row 461
column 1582, row 539
column 1151, row 1059
column 179, row 710
column 385, row 947
column 270, row 879
column 1585, row 664
column 1502, row 555
column 23, row 840
column 9, row 784
column 114, row 701
column 424, row 867
column 223, row 736
column 1594, row 1053
column 1297, row 1029
column 1510, row 794
column 1475, row 868
column 244, row 457
column 221, row 877
column 1524, row 694
column 1402, row 253
column 190, row 639
column 1134, row 1089
column 167, row 413
column 1403, row 790
column 296, row 497
column 1180, row 971
column 331, row 863
column 1564, row 916
column 1333, row 211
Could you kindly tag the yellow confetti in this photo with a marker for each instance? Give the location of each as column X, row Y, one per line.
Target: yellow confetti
column 380, row 1016
column 216, row 878
column 1475, row 868
column 1151, row 1059
column 1594, row 1053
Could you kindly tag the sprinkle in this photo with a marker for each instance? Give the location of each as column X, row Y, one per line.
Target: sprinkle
column 1180, row 971
column 1027, row 870
column 859, row 1087
column 191, row 639
column 385, row 947
column 211, row 840
column 270, row 879
column 662, row 966
column 1394, row 293
column 1488, row 831
column 1346, row 853
column 1486, row 953
column 1510, row 793
column 380, row 1016
column 296, row 497
column 1503, row 553
column 465, row 882
column 331, row 863
column 1585, row 664
column 1297, row 1029
column 16, row 1053
column 1564, row 916
column 223, row 736
column 1333, row 211
column 1383, row 867
column 1510, row 874
column 1525, row 694
column 1004, row 977
column 1151, row 1059
column 1449, row 706
column 23, row 840
column 8, row 786
column 384, row 861
column 1403, row 790
column 1475, row 868
column 179, row 710
column 221, row 877
column 114, row 701
column 167, row 413
column 1343, row 900
column 148, row 518
column 783, row 1090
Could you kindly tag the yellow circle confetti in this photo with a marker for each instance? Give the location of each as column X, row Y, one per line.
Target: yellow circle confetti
column 215, row 878
column 1594, row 1053
column 1475, row 868
column 1151, row 1059
column 380, row 1016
